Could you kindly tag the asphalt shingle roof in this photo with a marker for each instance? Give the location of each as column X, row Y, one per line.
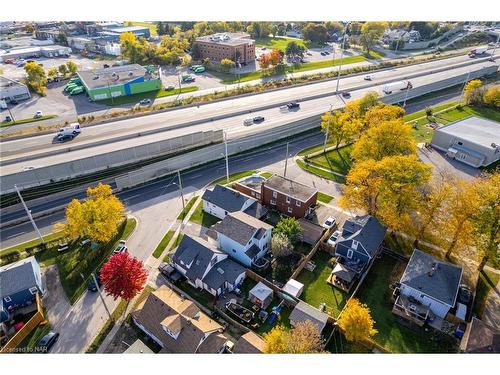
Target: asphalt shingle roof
column 225, row 198
column 291, row 188
column 226, row 270
column 439, row 280
column 17, row 276
column 304, row 311
column 249, row 343
column 240, row 227
column 367, row 230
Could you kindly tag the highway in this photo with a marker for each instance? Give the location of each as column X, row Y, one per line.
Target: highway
column 181, row 121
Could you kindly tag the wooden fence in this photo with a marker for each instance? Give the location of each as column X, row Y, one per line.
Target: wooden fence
column 20, row 335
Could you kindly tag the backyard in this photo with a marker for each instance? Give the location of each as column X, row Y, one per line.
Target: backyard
column 393, row 336
column 317, row 290
column 338, row 161
column 203, row 218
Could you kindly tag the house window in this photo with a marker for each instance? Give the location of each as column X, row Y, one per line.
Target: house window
column 354, row 244
column 350, row 253
column 297, row 203
column 287, row 199
column 7, row 299
column 290, row 210
column 33, row 290
column 275, row 194
column 273, row 202
column 234, row 250
column 460, row 143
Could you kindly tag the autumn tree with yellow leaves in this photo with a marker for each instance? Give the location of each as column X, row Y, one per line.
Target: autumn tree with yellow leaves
column 356, row 321
column 304, row 338
column 340, row 126
column 473, row 92
column 97, row 218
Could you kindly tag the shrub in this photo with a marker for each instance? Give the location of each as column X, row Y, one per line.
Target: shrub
column 332, row 262
column 428, row 111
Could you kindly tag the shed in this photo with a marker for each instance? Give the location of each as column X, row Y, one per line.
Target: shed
column 303, row 312
column 294, row 288
column 261, row 295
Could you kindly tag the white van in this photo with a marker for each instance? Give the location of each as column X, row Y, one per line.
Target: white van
column 248, row 121
column 72, row 129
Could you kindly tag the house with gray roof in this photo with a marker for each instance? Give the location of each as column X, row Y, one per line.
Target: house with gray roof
column 303, row 312
column 428, row 288
column 222, row 200
column 206, row 267
column 243, row 237
column 473, row 140
column 19, row 284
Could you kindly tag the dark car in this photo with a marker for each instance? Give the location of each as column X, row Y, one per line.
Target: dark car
column 346, row 94
column 293, row 105
column 47, row 342
column 14, row 102
column 464, row 295
column 258, row 119
column 145, row 102
column 92, row 285
column 8, row 119
column 65, row 137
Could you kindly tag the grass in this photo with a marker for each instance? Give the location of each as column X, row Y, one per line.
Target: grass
column 199, row 295
column 185, row 210
column 163, row 243
column 312, row 149
column 177, row 241
column 319, row 172
column 486, row 283
column 283, row 319
column 77, row 262
column 266, row 174
column 203, row 218
column 26, row 120
column 136, row 98
column 338, row 161
column 375, row 293
column 36, row 242
column 151, row 26
column 233, row 177
column 325, row 198
column 317, row 290
column 278, row 43
column 338, row 344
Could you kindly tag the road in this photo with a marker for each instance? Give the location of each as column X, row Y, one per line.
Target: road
column 185, row 120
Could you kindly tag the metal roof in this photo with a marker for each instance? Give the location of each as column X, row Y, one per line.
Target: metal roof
column 115, row 75
column 474, row 129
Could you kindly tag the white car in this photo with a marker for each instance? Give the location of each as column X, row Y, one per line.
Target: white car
column 330, row 222
column 29, row 168
column 333, row 238
column 38, row 114
column 367, row 77
column 121, row 248
column 248, row 121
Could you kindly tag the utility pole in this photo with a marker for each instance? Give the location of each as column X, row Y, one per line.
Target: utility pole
column 12, row 117
column 182, row 193
column 100, row 295
column 28, row 212
column 286, row 160
column 341, row 55
column 495, row 48
column 463, row 88
column 227, row 158
column 406, row 96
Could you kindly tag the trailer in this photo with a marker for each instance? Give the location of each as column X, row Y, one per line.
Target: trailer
column 478, row 51
column 394, row 86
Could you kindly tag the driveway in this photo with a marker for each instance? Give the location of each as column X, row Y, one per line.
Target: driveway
column 491, row 313
column 55, row 300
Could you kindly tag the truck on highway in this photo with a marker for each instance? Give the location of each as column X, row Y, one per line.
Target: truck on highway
column 400, row 85
column 478, row 51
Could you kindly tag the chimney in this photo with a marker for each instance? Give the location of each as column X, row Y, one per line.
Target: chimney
column 432, row 270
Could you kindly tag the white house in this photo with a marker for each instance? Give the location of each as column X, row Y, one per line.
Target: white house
column 243, row 237
column 428, row 288
column 222, row 200
column 206, row 267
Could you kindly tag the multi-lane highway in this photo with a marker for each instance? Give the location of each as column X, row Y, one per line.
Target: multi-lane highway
column 227, row 115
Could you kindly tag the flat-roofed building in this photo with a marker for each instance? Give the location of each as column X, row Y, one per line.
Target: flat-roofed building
column 11, row 90
column 473, row 140
column 234, row 46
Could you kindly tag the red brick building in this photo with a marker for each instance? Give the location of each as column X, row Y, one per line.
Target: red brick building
column 233, row 46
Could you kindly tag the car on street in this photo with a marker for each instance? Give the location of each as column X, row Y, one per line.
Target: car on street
column 14, row 102
column 333, row 238
column 248, row 121
column 367, row 77
column 170, row 87
column 322, row 53
column 38, row 114
column 28, row 168
column 8, row 119
column 47, row 342
column 65, row 137
column 92, row 286
column 145, row 102
column 330, row 222
column 121, row 248
column 258, row 119
column 346, row 94
column 63, row 247
column 293, row 105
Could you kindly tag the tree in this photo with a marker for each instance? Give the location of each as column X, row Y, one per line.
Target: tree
column 195, row 51
column 356, row 321
column 123, row 276
column 62, row 38
column 265, row 61
column 259, row 29
column 371, row 32
column 29, row 28
column 486, row 220
column 340, row 126
column 334, row 27
column 52, row 72
column 473, row 92
column 281, row 246
column 97, row 218
column 387, row 138
column 276, row 57
column 315, row 32
column 294, row 50
column 355, row 28
column 290, row 228
column 381, row 113
column 304, row 338
column 426, row 29
column 63, row 69
column 72, row 67
column 226, row 65
column 36, row 78
column 491, row 97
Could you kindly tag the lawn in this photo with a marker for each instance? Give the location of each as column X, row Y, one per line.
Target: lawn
column 283, row 319
column 26, row 120
column 338, row 161
column 233, row 177
column 163, row 243
column 325, row 198
column 201, row 217
column 277, row 43
column 151, row 26
column 185, row 210
column 199, row 295
column 376, row 294
column 317, row 290
column 319, row 172
column 266, row 174
column 338, row 344
column 177, row 241
column 486, row 283
column 76, row 265
column 136, row 98
column 312, row 149
column 15, row 252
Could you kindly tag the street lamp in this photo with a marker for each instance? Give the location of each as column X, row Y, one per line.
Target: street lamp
column 28, row 212
column 341, row 55
column 181, row 190
column 326, row 134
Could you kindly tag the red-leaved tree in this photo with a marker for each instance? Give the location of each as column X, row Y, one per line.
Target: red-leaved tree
column 123, row 276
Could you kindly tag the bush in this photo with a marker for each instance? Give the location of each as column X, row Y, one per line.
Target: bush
column 332, row 262
column 428, row 111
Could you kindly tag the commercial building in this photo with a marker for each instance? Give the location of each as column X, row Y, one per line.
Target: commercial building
column 35, row 51
column 13, row 90
column 113, row 33
column 234, row 46
column 474, row 141
column 120, row 81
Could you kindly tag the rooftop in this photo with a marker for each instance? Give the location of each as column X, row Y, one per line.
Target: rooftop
column 6, row 82
column 230, row 39
column 226, row 270
column 474, row 129
column 240, row 227
column 226, row 198
column 439, row 280
column 303, row 311
column 366, row 229
column 17, row 276
column 249, row 343
column 124, row 29
column 115, row 75
column 291, row 188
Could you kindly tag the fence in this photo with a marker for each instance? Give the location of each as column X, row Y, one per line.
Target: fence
column 35, row 320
